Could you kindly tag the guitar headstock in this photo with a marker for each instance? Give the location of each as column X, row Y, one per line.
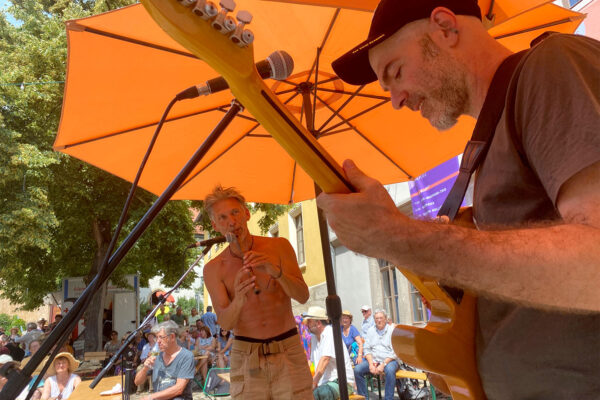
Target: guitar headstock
column 209, row 32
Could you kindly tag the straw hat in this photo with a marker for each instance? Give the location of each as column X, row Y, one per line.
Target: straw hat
column 73, row 363
column 347, row 313
column 38, row 369
column 315, row 312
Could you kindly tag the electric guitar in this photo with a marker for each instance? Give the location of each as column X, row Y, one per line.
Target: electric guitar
column 446, row 345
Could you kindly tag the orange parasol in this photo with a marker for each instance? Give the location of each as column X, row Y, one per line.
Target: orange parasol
column 123, row 70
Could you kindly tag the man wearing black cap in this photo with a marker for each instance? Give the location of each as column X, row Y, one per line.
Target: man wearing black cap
column 534, row 259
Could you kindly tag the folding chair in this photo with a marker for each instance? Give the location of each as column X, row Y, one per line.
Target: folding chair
column 217, row 382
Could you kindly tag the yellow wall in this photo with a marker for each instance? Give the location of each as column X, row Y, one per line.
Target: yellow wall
column 313, row 270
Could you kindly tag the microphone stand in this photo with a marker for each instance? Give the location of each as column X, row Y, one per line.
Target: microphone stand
column 19, row 379
column 162, row 299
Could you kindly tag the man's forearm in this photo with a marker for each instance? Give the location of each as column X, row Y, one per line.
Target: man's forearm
column 295, row 288
column 553, row 267
column 228, row 317
column 141, row 375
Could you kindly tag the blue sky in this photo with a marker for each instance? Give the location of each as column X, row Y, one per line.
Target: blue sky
column 3, row 5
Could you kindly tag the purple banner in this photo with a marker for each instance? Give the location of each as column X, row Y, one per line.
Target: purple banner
column 428, row 191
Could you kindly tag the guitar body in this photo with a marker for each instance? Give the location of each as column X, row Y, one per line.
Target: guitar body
column 437, row 348
column 446, row 346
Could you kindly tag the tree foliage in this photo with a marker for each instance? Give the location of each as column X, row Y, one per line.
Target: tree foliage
column 9, row 321
column 57, row 214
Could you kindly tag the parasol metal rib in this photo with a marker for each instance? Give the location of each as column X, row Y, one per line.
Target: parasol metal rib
column 328, row 130
column 293, row 182
column 67, row 146
column 355, row 129
column 543, row 26
column 218, row 156
column 81, row 28
column 364, row 95
column 327, row 33
column 337, row 112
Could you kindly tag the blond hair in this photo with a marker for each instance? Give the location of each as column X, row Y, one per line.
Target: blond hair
column 220, row 193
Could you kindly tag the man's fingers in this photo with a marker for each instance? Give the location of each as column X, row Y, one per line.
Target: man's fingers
column 356, row 176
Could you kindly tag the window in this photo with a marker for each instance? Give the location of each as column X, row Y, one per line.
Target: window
column 419, row 311
column 390, row 289
column 299, row 238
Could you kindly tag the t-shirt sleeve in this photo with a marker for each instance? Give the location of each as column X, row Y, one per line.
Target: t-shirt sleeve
column 187, row 366
column 557, row 109
column 327, row 346
column 354, row 332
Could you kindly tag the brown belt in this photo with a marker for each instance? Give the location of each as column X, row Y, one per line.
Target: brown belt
column 255, row 350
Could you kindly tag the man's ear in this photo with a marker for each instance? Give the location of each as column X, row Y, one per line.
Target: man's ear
column 444, row 26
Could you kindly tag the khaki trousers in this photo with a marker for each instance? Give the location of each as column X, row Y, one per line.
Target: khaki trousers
column 270, row 371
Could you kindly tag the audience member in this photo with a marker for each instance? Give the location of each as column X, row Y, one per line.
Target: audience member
column 163, row 313
column 179, row 318
column 57, row 319
column 210, row 319
column 185, row 340
column 32, row 334
column 194, row 317
column 172, row 369
column 351, row 337
column 150, row 347
column 325, row 380
column 113, row 345
column 379, row 357
column 205, row 346
column 41, row 324
column 305, row 335
column 368, row 320
column 62, row 380
column 34, row 346
column 14, row 333
column 224, row 342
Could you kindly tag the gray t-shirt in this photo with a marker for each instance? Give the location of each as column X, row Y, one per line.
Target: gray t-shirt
column 165, row 376
column 526, row 353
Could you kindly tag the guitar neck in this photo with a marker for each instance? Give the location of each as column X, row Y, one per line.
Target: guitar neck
column 236, row 65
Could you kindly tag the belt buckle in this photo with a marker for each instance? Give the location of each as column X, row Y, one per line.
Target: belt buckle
column 266, row 349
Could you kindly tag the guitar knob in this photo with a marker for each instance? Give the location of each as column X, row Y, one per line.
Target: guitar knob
column 187, row 3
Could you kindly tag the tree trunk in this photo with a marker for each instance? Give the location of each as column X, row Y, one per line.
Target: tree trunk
column 94, row 312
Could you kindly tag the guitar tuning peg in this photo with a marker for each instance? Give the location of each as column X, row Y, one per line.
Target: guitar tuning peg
column 228, row 5
column 244, row 17
column 242, row 37
column 187, row 3
column 223, row 23
column 205, row 9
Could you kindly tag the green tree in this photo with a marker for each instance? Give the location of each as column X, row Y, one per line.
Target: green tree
column 8, row 321
column 186, row 304
column 57, row 214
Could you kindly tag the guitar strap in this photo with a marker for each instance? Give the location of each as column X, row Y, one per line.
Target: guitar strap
column 477, row 147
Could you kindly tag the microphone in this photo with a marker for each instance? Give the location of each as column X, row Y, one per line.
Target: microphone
column 279, row 65
column 208, row 242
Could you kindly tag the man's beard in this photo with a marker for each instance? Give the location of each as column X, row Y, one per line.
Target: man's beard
column 445, row 96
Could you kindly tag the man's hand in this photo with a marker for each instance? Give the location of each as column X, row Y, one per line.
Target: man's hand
column 380, row 368
column 149, row 363
column 241, row 285
column 373, row 368
column 360, row 219
column 266, row 263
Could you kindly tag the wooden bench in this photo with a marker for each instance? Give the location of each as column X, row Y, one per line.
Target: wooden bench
column 94, row 356
column 400, row 374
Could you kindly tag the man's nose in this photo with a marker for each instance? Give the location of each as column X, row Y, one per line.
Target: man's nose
column 398, row 98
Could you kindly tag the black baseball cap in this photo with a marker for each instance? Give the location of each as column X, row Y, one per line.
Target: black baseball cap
column 391, row 15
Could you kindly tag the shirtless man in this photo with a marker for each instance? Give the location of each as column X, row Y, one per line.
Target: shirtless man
column 267, row 357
